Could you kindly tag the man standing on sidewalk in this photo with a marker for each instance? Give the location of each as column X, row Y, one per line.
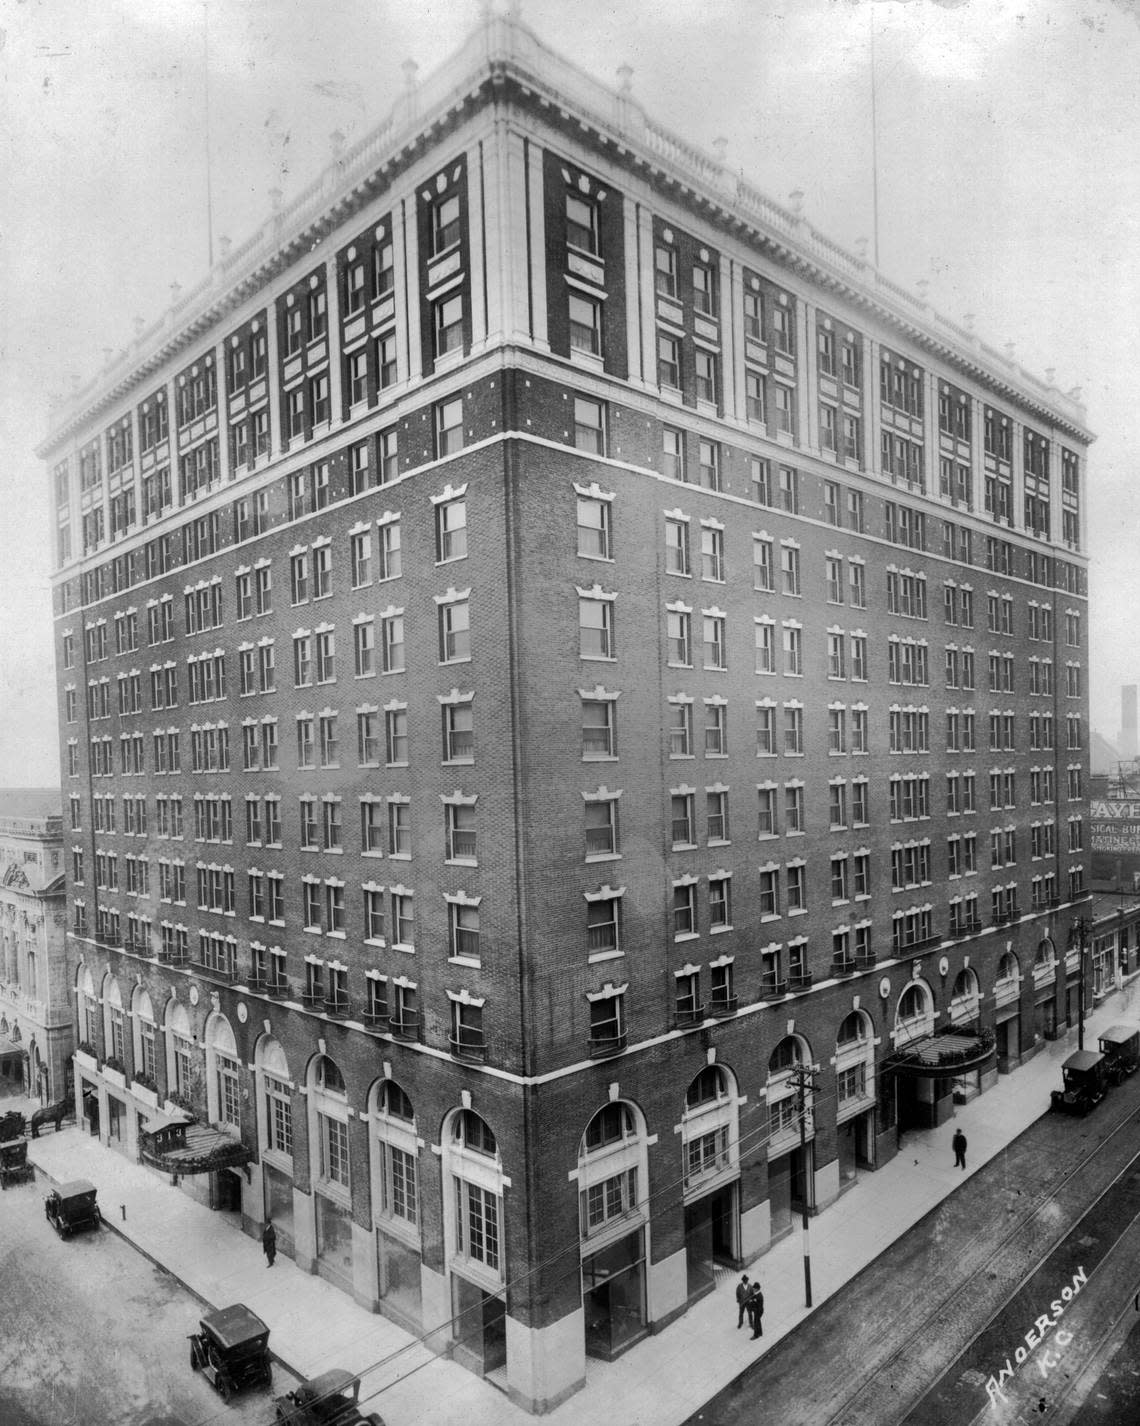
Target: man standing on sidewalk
column 756, row 1310
column 958, row 1142
column 741, row 1300
column 269, row 1243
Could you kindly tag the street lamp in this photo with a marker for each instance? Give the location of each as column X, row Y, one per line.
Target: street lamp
column 1078, row 934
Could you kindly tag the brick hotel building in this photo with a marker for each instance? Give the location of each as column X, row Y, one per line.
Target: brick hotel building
column 550, row 647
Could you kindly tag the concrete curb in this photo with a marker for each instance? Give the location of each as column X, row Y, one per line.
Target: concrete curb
column 120, row 1232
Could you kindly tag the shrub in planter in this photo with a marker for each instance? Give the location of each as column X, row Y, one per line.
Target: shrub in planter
column 146, row 1081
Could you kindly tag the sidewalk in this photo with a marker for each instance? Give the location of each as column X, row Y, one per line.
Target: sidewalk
column 661, row 1381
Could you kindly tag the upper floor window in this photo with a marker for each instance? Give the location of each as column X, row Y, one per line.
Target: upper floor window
column 444, row 224
column 582, row 223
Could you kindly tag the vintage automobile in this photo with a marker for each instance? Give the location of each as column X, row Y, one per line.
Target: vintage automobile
column 14, row 1166
column 71, row 1208
column 1120, row 1045
column 1085, row 1078
column 330, row 1399
column 13, row 1125
column 232, row 1350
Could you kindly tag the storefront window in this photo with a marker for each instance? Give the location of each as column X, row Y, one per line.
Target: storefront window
column 613, row 1295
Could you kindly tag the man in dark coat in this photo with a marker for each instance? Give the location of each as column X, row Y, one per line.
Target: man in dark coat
column 741, row 1300
column 269, row 1244
column 756, row 1310
column 958, row 1143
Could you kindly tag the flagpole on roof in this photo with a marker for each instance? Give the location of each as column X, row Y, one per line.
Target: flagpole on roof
column 206, row 89
column 874, row 144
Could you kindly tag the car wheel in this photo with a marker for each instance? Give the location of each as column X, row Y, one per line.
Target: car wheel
column 225, row 1389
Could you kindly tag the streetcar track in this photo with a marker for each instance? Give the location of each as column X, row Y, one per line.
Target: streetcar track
column 966, row 1285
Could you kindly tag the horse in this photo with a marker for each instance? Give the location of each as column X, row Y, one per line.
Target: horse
column 51, row 1114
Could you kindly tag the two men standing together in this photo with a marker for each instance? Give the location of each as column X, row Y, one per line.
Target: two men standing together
column 750, row 1300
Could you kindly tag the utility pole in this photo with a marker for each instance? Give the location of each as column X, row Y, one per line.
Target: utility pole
column 802, row 1080
column 1079, row 932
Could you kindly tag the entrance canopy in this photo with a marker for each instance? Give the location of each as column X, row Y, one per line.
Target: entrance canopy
column 191, row 1149
column 11, row 1050
column 943, row 1055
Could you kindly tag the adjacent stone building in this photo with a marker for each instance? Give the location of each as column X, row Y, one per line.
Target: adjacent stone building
column 36, row 980
column 567, row 676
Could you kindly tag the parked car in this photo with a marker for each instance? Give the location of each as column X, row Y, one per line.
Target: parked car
column 71, row 1208
column 1120, row 1045
column 232, row 1350
column 1085, row 1079
column 331, row 1399
column 13, row 1125
column 14, row 1166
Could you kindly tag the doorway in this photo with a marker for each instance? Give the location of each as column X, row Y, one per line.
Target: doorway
column 710, row 1238
column 480, row 1326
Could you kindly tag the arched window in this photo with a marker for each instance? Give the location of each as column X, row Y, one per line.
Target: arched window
column 610, row 1125
column 1008, row 967
column 474, row 1133
column 181, row 1052
column 88, row 1007
column 327, row 1076
column 274, row 1095
column 476, row 1207
column 223, row 1090
column 612, row 1163
column 708, row 1087
column 394, row 1150
column 965, row 999
column 787, row 1054
column 394, row 1102
column 144, row 1037
column 114, row 1023
column 785, row 1096
column 709, row 1135
column 914, row 1013
column 330, row 1150
column 854, row 1065
column 853, row 1031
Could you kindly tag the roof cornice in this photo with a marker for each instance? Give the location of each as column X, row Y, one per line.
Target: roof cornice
column 502, row 55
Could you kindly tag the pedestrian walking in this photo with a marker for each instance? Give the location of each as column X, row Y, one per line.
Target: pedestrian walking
column 741, row 1300
column 958, row 1143
column 269, row 1244
column 756, row 1310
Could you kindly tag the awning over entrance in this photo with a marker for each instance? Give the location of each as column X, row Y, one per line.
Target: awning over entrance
column 11, row 1050
column 191, row 1149
column 945, row 1054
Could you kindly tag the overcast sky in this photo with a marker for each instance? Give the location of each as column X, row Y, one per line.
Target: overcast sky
column 1008, row 131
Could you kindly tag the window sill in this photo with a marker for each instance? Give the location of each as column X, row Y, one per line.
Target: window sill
column 464, row 961
column 595, row 956
column 720, row 930
column 593, row 857
column 464, row 861
column 803, row 911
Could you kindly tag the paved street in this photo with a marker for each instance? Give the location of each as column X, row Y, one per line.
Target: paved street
column 918, row 1334
column 92, row 1334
